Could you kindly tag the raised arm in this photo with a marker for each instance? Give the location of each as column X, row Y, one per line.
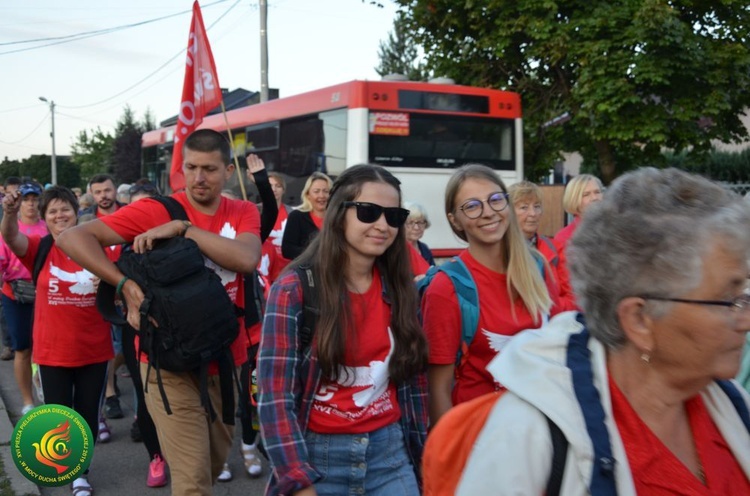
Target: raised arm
column 16, row 240
column 256, row 172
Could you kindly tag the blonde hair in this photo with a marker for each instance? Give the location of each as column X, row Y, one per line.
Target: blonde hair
column 525, row 280
column 574, row 192
column 306, row 204
column 523, row 190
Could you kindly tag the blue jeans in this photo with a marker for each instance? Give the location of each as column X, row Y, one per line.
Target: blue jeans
column 18, row 316
column 375, row 463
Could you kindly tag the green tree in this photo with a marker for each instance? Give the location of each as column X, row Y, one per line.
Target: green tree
column 8, row 168
column 126, row 147
column 92, row 151
column 635, row 77
column 399, row 54
column 39, row 168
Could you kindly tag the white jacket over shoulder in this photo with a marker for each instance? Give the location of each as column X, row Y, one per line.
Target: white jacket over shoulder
column 513, row 453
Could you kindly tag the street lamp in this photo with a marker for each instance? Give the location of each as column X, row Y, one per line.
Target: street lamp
column 52, row 135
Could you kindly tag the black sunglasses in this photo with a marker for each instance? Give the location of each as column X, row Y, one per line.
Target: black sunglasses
column 370, row 212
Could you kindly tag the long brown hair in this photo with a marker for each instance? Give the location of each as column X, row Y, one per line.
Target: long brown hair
column 327, row 255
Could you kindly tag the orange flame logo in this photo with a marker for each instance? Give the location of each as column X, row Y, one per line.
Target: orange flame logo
column 53, row 447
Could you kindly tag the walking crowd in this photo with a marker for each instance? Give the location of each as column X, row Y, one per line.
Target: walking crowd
column 598, row 361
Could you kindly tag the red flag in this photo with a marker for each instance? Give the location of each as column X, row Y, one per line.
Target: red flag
column 201, row 92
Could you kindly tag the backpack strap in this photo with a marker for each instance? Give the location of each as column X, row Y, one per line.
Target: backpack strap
column 559, row 455
column 174, row 208
column 468, row 302
column 555, row 259
column 578, row 361
column 737, row 400
column 310, row 309
column 45, row 246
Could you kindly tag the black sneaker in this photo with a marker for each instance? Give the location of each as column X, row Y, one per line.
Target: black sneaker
column 135, row 432
column 112, row 409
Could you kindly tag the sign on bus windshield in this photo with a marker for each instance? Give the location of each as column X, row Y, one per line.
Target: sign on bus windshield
column 428, row 140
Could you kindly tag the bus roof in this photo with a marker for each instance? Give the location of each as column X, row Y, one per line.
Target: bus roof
column 376, row 95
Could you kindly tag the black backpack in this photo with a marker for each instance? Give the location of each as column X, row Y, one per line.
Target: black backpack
column 196, row 319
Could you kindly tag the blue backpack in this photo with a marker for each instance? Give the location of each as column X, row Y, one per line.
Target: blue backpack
column 468, row 298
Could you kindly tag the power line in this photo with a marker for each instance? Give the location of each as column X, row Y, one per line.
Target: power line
column 181, row 52
column 28, row 135
column 57, row 40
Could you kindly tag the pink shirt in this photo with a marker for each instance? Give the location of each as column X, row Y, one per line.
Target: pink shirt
column 10, row 266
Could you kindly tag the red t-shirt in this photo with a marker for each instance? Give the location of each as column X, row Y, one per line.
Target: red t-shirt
column 101, row 215
column 563, row 235
column 68, row 329
column 364, row 398
column 231, row 218
column 272, row 260
column 318, row 221
column 567, row 298
column 657, row 471
column 442, row 325
column 419, row 265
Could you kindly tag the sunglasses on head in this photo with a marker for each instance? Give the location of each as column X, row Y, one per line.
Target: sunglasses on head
column 370, row 212
column 142, row 188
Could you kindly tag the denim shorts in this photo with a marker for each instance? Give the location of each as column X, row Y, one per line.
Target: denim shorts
column 375, row 463
column 18, row 316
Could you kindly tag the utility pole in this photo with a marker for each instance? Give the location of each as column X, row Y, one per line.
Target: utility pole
column 263, row 51
column 52, row 135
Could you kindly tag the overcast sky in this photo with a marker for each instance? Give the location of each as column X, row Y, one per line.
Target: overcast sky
column 311, row 43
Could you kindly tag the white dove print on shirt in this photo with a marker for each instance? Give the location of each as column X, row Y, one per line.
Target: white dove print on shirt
column 227, row 276
column 83, row 279
column 374, row 375
column 277, row 234
column 496, row 341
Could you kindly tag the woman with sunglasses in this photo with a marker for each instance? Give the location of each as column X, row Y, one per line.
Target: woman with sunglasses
column 514, row 294
column 346, row 413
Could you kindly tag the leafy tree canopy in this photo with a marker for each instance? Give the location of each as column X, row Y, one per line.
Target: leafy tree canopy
column 92, row 150
column 119, row 154
column 635, row 77
column 399, row 54
column 38, row 168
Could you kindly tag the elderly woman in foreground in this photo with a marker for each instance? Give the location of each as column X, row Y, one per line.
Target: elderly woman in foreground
column 640, row 388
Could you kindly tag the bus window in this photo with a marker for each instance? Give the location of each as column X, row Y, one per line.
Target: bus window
column 260, row 138
column 446, row 141
column 334, row 141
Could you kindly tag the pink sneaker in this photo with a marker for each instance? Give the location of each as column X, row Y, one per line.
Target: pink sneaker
column 157, row 473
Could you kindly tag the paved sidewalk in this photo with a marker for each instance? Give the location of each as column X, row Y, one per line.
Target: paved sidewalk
column 119, row 467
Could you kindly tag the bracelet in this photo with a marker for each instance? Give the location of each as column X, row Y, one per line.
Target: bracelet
column 121, row 284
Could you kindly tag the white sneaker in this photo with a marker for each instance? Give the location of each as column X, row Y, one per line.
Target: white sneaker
column 26, row 409
column 251, row 457
column 225, row 475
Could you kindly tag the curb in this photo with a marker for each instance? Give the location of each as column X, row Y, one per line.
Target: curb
column 19, row 484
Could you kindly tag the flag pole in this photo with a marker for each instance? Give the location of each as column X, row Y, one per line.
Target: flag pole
column 236, row 161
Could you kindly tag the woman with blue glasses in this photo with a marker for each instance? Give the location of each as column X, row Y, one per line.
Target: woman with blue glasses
column 513, row 284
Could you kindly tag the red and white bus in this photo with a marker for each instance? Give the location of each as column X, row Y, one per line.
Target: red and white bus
column 420, row 131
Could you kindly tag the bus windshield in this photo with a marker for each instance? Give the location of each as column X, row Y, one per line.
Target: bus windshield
column 441, row 141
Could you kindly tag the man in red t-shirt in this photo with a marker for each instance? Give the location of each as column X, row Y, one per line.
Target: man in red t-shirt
column 227, row 233
column 102, row 187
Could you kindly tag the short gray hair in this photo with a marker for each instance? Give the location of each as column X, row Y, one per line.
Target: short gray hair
column 648, row 236
column 417, row 211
